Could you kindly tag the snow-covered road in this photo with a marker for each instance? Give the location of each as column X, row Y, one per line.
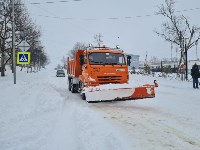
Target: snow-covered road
column 40, row 113
column 169, row 121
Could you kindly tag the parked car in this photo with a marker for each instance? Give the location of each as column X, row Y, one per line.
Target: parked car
column 60, row 73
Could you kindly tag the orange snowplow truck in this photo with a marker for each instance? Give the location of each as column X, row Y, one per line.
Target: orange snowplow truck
column 101, row 74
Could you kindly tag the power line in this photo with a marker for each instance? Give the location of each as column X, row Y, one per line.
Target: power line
column 93, row 19
column 57, row 17
column 67, row 20
column 52, row 2
column 118, row 18
column 109, row 18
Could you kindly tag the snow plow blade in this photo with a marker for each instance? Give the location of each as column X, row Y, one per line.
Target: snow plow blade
column 96, row 94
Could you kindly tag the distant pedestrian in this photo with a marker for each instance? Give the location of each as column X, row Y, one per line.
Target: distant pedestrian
column 195, row 75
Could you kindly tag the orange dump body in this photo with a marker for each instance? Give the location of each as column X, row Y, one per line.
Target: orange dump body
column 74, row 67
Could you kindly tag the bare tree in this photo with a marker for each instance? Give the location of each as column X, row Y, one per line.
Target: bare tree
column 98, row 39
column 63, row 61
column 25, row 28
column 77, row 46
column 5, row 28
column 177, row 29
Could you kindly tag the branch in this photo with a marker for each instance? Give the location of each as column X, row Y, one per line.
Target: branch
column 167, row 38
column 187, row 23
column 193, row 43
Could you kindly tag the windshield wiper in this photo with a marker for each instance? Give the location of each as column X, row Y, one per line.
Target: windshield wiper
column 111, row 63
column 97, row 62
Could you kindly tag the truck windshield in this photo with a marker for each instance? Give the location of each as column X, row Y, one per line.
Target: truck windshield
column 106, row 58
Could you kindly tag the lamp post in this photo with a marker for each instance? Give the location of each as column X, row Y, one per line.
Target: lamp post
column 13, row 41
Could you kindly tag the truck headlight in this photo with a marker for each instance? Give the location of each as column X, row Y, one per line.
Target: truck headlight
column 120, row 70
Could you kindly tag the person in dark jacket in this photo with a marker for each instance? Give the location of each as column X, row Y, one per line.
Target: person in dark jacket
column 195, row 75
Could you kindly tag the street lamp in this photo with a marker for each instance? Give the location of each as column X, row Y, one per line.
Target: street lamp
column 13, row 41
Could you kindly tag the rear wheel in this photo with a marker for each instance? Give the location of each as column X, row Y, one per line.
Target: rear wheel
column 69, row 84
column 74, row 88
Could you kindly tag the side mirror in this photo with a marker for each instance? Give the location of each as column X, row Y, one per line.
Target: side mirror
column 81, row 59
column 128, row 60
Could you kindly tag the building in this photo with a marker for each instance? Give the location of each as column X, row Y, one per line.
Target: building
column 134, row 61
column 192, row 62
column 156, row 66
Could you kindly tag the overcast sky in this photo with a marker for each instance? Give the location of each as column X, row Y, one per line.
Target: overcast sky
column 121, row 22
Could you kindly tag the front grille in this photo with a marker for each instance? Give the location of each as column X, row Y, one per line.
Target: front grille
column 109, row 79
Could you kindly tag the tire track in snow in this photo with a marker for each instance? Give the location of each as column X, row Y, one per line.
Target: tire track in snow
column 151, row 130
column 144, row 126
column 174, row 131
column 80, row 127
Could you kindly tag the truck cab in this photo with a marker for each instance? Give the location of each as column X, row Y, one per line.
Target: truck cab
column 103, row 66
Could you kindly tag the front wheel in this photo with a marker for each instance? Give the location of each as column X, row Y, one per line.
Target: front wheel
column 83, row 96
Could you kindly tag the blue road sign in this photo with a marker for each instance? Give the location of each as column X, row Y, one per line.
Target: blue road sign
column 23, row 58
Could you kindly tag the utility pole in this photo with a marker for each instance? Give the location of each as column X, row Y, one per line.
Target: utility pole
column 13, row 41
column 186, row 63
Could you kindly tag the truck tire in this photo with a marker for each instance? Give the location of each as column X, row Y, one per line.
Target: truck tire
column 74, row 88
column 83, row 96
column 69, row 85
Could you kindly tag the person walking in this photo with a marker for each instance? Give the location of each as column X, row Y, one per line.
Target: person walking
column 195, row 75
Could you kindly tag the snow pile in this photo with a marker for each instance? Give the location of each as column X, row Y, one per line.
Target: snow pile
column 108, row 94
column 113, row 91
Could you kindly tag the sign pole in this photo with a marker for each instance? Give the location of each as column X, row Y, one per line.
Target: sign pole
column 13, row 41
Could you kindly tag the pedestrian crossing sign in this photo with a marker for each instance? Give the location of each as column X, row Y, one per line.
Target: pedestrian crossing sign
column 23, row 58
